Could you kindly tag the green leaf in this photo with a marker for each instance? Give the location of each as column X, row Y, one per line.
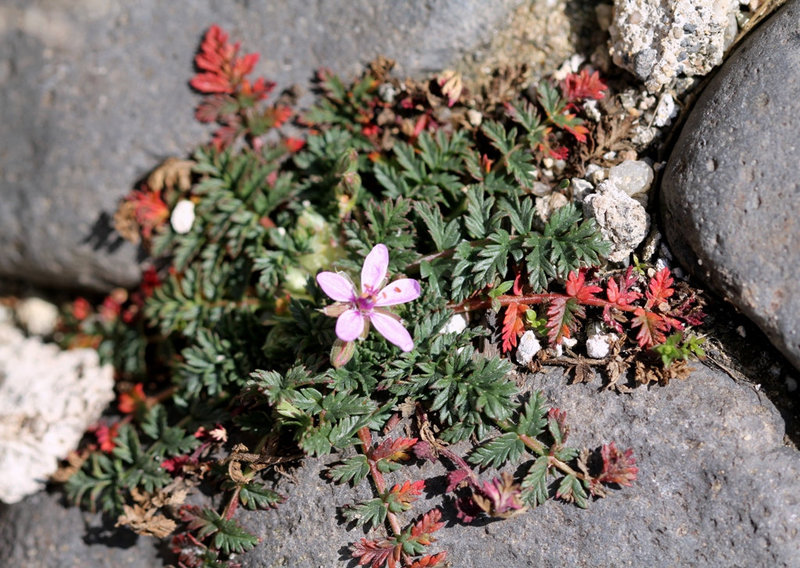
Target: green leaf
column 351, row 470
column 571, row 490
column 372, row 513
column 533, row 418
column 255, row 495
column 534, row 484
column 498, row 451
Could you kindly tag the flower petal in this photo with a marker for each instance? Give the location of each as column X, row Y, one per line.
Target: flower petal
column 350, row 325
column 336, row 286
column 374, row 270
column 392, row 330
column 398, row 292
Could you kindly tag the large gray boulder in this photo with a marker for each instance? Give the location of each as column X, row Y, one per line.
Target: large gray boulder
column 716, row 487
column 94, row 94
column 730, row 192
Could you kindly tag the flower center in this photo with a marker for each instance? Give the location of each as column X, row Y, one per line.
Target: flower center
column 365, row 302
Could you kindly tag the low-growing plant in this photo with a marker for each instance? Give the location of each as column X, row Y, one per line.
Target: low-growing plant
column 248, row 343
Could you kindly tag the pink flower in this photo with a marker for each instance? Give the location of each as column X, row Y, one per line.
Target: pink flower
column 355, row 311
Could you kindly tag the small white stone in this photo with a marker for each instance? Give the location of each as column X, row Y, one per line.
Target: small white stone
column 569, row 342
column 528, row 347
column 37, row 316
column 182, row 217
column 599, row 345
column 632, row 176
column 580, row 188
column 456, row 324
column 791, row 384
column 595, row 173
column 665, row 111
column 474, row 117
column 591, row 110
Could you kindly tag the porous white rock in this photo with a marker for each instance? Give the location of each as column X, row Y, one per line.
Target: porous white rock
column 598, row 345
column 37, row 316
column 48, row 398
column 659, row 41
column 631, row 176
column 528, row 347
column 622, row 220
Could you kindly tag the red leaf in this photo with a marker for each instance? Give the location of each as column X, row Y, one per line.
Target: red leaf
column 659, row 289
column 211, row 83
column 150, row 210
column 651, row 327
column 618, row 467
column 392, row 449
column 376, row 553
column 578, row 289
column 430, row 561
column 562, row 317
column 294, row 145
column 133, row 400
column 500, row 498
column 105, row 436
column 576, row 129
column 427, row 525
column 513, row 325
column 582, row 85
column 403, row 495
column 455, row 478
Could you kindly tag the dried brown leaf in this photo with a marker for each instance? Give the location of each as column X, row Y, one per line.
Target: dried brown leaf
column 170, row 174
column 125, row 222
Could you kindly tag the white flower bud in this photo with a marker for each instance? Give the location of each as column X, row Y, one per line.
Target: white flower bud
column 182, row 217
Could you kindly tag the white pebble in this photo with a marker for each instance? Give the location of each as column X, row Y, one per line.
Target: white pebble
column 632, row 176
column 528, row 347
column 457, row 324
column 182, row 217
column 599, row 345
column 791, row 384
column 665, row 111
column 37, row 316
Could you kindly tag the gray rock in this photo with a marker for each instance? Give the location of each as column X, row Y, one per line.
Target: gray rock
column 716, row 487
column 40, row 532
column 730, row 191
column 659, row 41
column 622, row 220
column 94, row 94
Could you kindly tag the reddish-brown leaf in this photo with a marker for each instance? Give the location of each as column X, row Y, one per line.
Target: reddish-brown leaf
column 562, row 316
column 513, row 325
column 618, row 467
column 651, row 327
column 659, row 289
column 392, row 449
column 430, row 561
column 578, row 289
column 577, row 86
column 376, row 553
column 427, row 525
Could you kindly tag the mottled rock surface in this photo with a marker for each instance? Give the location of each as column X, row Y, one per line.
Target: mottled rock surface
column 94, row 94
column 731, row 192
column 716, row 487
column 40, row 532
column 661, row 41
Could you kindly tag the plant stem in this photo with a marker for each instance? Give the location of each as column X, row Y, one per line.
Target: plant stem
column 377, row 477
